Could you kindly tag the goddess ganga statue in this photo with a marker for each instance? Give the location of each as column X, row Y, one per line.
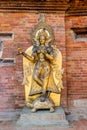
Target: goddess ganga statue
column 42, row 64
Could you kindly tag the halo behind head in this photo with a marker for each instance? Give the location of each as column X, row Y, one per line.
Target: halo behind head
column 42, row 29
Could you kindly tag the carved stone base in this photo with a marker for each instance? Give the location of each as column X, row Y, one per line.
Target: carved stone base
column 42, row 118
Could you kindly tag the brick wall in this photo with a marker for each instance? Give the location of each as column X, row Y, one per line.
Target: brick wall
column 76, row 49
column 11, row 76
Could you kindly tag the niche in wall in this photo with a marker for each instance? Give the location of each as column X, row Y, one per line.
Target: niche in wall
column 5, row 36
column 80, row 34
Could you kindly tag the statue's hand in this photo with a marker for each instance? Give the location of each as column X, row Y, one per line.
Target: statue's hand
column 20, row 51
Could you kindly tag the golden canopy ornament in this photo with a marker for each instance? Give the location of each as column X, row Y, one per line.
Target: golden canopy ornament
column 42, row 67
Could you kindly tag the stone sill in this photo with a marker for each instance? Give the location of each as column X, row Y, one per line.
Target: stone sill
column 7, row 61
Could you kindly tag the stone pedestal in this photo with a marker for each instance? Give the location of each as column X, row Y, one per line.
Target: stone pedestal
column 42, row 118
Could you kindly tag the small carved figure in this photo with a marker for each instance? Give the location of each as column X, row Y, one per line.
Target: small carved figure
column 44, row 73
column 37, row 104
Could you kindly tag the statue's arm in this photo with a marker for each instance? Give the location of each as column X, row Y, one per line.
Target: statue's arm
column 31, row 58
column 50, row 57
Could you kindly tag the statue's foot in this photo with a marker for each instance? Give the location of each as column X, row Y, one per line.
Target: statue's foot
column 28, row 104
column 43, row 98
column 33, row 110
column 51, row 109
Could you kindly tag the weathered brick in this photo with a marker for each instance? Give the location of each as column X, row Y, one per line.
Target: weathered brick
column 76, row 61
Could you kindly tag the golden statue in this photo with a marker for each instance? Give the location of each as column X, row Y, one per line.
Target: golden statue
column 42, row 64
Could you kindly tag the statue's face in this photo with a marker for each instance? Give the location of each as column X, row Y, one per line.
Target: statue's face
column 42, row 40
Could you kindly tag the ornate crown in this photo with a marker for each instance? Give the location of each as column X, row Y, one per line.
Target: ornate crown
column 42, row 32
